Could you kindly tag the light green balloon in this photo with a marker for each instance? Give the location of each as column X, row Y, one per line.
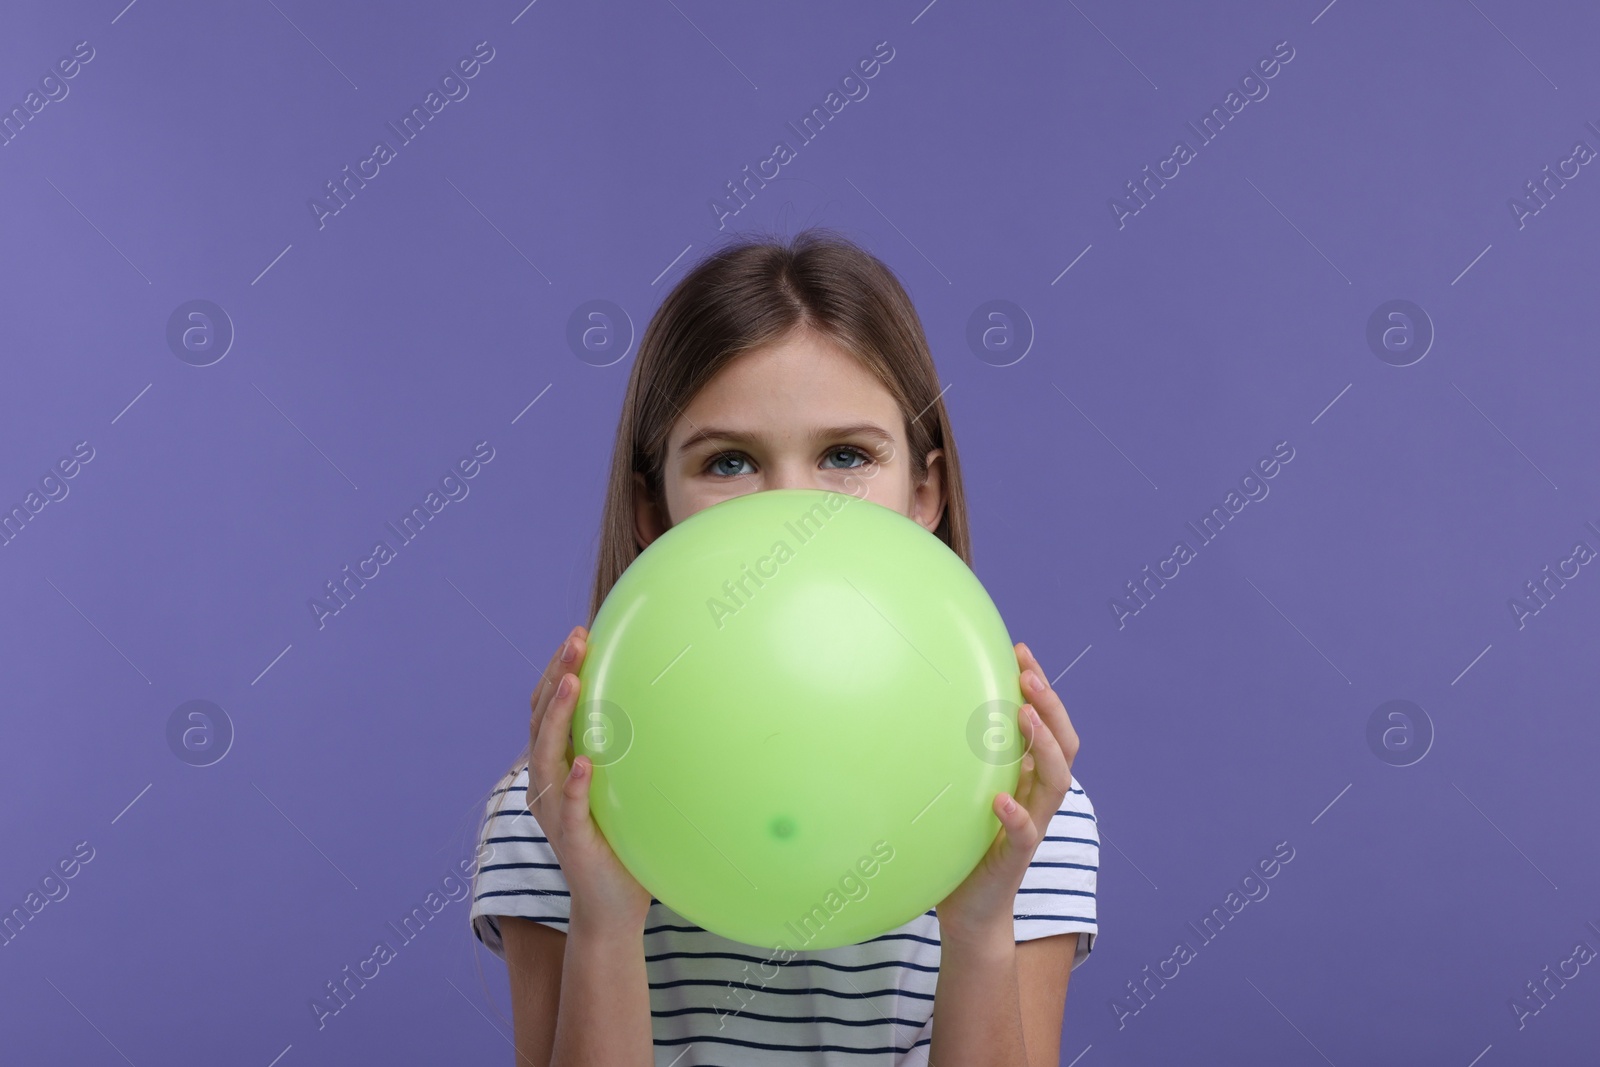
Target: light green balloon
column 800, row 705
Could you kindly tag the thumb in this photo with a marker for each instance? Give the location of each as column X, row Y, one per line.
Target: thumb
column 575, row 791
column 1021, row 835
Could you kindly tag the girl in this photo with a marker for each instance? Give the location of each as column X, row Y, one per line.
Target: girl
column 768, row 366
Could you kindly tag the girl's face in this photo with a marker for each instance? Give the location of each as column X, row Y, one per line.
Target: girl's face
column 798, row 414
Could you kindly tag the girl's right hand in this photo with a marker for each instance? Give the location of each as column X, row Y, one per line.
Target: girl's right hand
column 558, row 796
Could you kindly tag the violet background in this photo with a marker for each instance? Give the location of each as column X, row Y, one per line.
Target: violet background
column 1229, row 314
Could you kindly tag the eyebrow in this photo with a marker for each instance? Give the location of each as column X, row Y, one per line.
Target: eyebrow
column 717, row 433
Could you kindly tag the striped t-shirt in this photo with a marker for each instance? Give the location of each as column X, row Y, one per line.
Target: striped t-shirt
column 719, row 1003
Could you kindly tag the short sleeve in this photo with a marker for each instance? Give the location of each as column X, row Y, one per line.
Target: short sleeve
column 1057, row 895
column 519, row 874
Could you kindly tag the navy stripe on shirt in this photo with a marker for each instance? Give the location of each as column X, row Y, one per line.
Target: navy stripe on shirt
column 709, row 991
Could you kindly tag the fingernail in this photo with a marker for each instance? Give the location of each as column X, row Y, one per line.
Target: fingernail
column 1009, row 805
column 568, row 651
column 1030, row 680
column 564, row 686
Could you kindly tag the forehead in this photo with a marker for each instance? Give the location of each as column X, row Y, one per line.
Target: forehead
column 795, row 387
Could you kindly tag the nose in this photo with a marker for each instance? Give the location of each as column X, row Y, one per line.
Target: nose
column 792, row 476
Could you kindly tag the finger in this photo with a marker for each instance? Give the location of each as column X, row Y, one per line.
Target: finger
column 555, row 731
column 1049, row 776
column 575, row 793
column 1043, row 697
column 551, row 675
column 568, row 657
column 1022, row 836
column 1030, row 731
column 547, row 679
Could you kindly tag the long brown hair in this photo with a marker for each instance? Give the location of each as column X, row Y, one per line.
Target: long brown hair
column 752, row 292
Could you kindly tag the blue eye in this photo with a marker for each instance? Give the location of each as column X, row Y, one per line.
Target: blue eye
column 719, row 464
column 715, row 467
column 852, row 451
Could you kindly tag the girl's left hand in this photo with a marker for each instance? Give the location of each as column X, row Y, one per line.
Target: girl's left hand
column 983, row 902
